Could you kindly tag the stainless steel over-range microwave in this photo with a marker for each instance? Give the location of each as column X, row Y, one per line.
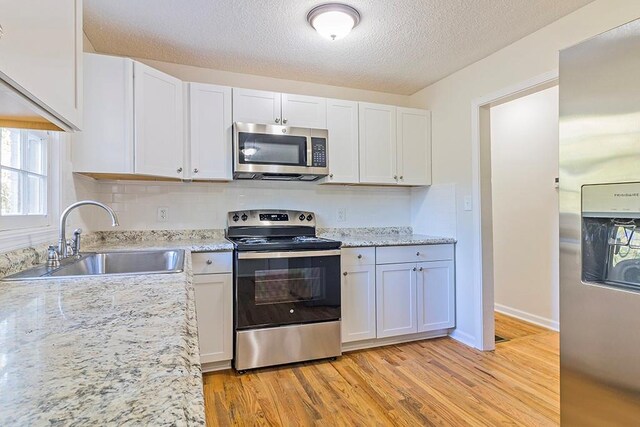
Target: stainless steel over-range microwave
column 283, row 153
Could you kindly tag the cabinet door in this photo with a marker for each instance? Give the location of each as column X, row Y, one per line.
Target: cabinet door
column 377, row 127
column 414, row 146
column 210, row 131
column 342, row 124
column 105, row 144
column 304, row 111
column 41, row 54
column 159, row 138
column 214, row 310
column 396, row 300
column 436, row 296
column 358, row 303
column 256, row 106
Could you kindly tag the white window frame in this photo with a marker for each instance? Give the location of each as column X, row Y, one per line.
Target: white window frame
column 32, row 230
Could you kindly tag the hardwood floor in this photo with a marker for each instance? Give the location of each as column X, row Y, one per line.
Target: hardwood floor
column 432, row 382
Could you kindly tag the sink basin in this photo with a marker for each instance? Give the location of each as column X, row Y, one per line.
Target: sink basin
column 109, row 264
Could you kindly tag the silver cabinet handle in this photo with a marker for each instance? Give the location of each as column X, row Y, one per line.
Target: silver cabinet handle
column 331, row 175
column 345, row 273
column 359, row 256
column 179, row 170
column 420, row 269
column 277, row 119
column 209, row 262
column 284, row 121
column 414, row 269
column 395, row 177
column 401, row 177
column 196, row 170
column 417, row 253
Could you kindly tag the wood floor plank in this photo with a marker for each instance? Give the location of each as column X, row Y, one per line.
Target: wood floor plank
column 438, row 382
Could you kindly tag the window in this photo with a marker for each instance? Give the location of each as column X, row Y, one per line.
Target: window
column 24, row 165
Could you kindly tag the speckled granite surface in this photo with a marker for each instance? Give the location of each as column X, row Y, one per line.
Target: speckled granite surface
column 100, row 351
column 388, row 236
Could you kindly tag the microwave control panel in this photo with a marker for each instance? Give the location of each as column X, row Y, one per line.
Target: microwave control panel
column 319, row 152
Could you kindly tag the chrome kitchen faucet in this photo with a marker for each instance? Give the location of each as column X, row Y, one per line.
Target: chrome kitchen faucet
column 68, row 248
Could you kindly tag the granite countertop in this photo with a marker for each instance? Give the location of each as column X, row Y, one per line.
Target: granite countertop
column 101, row 351
column 362, row 239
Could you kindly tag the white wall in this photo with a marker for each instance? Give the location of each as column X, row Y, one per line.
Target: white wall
column 205, row 205
column 524, row 164
column 450, row 101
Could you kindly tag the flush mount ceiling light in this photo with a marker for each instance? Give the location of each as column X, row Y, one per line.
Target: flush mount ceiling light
column 333, row 20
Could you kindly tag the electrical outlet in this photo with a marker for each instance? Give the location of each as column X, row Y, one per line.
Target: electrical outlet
column 341, row 215
column 163, row 215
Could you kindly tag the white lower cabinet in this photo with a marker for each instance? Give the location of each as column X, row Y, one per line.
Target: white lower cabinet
column 358, row 302
column 396, row 290
column 436, row 296
column 396, row 300
column 214, row 311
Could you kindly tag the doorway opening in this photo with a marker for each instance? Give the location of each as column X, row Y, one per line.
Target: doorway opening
column 515, row 165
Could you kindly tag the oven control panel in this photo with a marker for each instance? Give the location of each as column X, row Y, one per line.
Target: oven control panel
column 266, row 218
column 275, row 217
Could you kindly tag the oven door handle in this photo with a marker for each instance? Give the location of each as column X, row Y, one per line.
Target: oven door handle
column 301, row 254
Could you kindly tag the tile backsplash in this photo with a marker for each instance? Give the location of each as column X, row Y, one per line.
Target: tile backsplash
column 205, row 205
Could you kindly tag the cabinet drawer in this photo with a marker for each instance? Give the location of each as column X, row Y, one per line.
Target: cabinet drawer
column 212, row 262
column 418, row 253
column 358, row 256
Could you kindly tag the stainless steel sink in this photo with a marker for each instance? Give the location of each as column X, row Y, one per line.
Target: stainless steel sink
column 110, row 264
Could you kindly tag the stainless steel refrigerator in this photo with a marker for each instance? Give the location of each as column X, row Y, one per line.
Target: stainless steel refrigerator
column 600, row 230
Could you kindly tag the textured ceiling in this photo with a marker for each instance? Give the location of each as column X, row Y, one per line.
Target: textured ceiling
column 400, row 46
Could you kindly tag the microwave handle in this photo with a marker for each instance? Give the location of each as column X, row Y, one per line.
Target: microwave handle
column 309, row 152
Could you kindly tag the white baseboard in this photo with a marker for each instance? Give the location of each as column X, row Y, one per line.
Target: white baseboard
column 379, row 342
column 216, row 366
column 528, row 317
column 464, row 338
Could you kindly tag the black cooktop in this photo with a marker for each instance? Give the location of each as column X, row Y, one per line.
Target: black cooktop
column 283, row 243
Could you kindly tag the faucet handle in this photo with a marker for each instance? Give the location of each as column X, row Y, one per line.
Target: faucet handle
column 70, row 248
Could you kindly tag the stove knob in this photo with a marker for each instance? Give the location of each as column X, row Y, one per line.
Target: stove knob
column 309, row 217
column 244, row 217
column 301, row 217
column 235, row 218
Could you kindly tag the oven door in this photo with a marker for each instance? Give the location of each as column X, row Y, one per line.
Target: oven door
column 282, row 288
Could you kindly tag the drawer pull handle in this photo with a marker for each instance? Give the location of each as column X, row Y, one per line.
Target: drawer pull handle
column 420, row 269
column 414, row 269
column 417, row 253
column 345, row 273
column 359, row 256
column 209, row 262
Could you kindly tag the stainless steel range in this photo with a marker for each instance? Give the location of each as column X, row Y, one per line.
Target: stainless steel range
column 286, row 289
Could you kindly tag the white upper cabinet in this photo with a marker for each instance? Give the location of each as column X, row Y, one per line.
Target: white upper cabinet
column 106, row 143
column 41, row 54
column 378, row 151
column 342, row 124
column 395, row 145
column 256, row 106
column 210, row 131
column 158, row 117
column 414, row 146
column 304, row 111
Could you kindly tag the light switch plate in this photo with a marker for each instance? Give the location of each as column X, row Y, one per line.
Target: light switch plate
column 468, row 205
